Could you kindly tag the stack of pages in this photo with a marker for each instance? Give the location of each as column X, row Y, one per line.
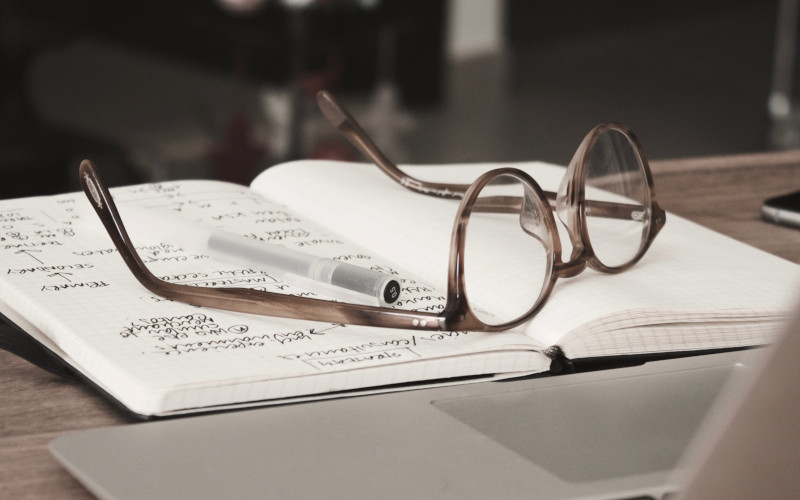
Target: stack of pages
column 65, row 284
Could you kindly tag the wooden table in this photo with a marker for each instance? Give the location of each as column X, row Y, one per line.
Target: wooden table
column 723, row 193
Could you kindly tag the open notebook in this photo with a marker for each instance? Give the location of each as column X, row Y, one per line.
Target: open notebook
column 65, row 284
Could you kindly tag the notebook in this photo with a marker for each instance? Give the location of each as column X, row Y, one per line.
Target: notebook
column 65, row 285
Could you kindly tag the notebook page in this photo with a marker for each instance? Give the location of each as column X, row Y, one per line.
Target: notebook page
column 695, row 289
column 409, row 229
column 689, row 272
column 64, row 276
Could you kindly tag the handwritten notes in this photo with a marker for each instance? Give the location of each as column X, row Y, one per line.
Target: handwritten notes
column 63, row 273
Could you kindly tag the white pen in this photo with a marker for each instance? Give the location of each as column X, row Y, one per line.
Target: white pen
column 317, row 274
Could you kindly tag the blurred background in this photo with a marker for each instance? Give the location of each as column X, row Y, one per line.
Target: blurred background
column 155, row 90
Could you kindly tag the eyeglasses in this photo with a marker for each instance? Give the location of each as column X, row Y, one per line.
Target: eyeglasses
column 504, row 232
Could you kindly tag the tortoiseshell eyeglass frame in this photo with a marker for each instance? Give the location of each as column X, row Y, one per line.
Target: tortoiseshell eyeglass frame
column 457, row 314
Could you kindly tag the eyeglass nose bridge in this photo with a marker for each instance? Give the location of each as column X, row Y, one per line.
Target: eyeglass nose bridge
column 535, row 223
column 569, row 269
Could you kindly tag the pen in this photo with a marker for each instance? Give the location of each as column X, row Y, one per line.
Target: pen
column 321, row 275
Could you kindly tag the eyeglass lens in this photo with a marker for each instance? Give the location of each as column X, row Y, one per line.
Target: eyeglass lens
column 516, row 246
column 615, row 173
column 500, row 248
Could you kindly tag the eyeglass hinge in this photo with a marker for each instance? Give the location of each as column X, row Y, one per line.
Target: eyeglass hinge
column 553, row 352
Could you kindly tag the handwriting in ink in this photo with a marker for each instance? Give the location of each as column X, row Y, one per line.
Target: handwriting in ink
column 432, row 308
column 89, row 253
column 276, row 220
column 158, row 249
column 351, row 349
column 49, row 269
column 173, row 327
column 346, row 258
column 273, row 216
column 418, row 289
column 155, row 188
column 321, row 241
column 278, row 235
column 47, row 233
column 207, row 280
column 29, row 253
column 417, row 300
column 241, row 341
column 174, row 258
column 384, row 269
column 11, row 218
column 397, row 354
column 230, row 216
column 438, row 336
column 14, row 235
column 239, row 272
column 213, row 345
column 30, row 244
column 62, row 275
column 73, row 286
column 270, row 212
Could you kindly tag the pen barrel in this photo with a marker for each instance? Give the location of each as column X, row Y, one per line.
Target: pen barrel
column 233, row 248
column 165, row 227
column 229, row 247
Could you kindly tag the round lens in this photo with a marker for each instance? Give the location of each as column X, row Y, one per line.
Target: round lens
column 617, row 204
column 507, row 251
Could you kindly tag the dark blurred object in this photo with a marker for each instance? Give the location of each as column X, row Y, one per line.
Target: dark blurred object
column 205, row 33
column 542, row 22
column 237, row 155
column 339, row 50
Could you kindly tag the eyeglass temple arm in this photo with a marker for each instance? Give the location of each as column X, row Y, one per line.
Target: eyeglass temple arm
column 594, row 208
column 107, row 211
column 240, row 299
column 349, row 127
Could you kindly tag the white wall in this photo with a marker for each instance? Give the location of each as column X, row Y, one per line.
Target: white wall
column 474, row 28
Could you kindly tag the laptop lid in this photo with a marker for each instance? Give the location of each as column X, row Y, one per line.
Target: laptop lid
column 749, row 447
column 614, row 433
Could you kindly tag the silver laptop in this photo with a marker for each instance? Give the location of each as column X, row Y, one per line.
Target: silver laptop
column 607, row 434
